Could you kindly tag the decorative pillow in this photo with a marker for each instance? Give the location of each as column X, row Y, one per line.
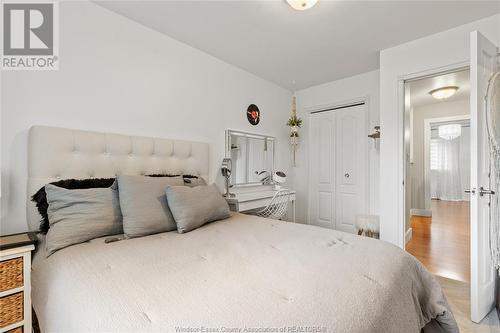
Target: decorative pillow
column 144, row 204
column 40, row 197
column 77, row 216
column 193, row 207
column 193, row 181
column 189, row 180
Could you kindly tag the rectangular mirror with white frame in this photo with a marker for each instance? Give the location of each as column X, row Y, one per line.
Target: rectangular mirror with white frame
column 252, row 157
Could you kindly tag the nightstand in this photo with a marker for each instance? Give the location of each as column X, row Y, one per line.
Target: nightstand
column 15, row 283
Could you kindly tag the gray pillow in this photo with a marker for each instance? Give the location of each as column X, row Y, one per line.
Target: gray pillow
column 192, row 207
column 144, row 204
column 77, row 216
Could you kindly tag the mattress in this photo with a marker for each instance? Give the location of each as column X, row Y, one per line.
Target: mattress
column 242, row 274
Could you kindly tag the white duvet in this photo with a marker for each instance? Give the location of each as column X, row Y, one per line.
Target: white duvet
column 243, row 274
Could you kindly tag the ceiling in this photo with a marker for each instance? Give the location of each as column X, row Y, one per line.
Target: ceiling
column 419, row 90
column 299, row 49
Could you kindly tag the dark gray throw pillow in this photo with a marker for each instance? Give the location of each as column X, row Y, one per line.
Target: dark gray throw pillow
column 144, row 204
column 194, row 181
column 193, row 207
column 189, row 180
column 77, row 216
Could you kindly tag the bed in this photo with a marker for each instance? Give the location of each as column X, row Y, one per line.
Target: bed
column 241, row 274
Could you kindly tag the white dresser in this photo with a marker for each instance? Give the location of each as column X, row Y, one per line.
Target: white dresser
column 253, row 197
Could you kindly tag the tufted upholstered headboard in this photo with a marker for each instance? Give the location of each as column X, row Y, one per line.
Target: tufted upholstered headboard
column 58, row 153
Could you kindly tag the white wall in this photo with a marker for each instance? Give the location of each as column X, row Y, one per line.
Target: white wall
column 357, row 87
column 420, row 113
column 432, row 52
column 118, row 76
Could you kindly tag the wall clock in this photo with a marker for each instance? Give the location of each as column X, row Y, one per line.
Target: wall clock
column 253, row 114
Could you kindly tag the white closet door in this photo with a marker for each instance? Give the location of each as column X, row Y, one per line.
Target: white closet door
column 350, row 173
column 337, row 168
column 321, row 171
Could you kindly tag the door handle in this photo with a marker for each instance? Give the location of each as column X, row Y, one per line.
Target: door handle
column 473, row 191
column 483, row 191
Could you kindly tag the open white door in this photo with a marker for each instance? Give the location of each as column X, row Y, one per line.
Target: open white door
column 483, row 65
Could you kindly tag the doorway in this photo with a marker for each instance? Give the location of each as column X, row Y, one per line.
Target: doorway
column 438, row 173
column 483, row 67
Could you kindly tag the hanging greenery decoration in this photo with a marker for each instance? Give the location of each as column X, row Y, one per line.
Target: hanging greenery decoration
column 294, row 123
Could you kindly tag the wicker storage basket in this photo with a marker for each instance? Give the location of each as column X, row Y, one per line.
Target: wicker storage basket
column 16, row 330
column 11, row 309
column 11, row 274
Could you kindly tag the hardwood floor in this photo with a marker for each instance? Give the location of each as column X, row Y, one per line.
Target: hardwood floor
column 442, row 242
column 457, row 293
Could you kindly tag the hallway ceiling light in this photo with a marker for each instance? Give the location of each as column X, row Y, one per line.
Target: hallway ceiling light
column 450, row 132
column 443, row 92
column 301, row 4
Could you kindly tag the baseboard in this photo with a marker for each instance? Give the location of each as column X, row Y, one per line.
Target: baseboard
column 408, row 235
column 421, row 212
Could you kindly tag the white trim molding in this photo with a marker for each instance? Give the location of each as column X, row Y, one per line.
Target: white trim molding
column 420, row 212
column 408, row 235
column 401, row 151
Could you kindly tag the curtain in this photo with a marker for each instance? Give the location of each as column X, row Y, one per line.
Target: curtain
column 450, row 167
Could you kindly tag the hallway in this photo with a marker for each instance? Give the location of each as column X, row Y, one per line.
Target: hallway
column 442, row 242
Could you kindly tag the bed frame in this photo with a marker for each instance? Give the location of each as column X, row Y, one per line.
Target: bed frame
column 59, row 153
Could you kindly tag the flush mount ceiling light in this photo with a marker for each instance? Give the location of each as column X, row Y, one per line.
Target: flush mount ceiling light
column 301, row 4
column 450, row 132
column 443, row 92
